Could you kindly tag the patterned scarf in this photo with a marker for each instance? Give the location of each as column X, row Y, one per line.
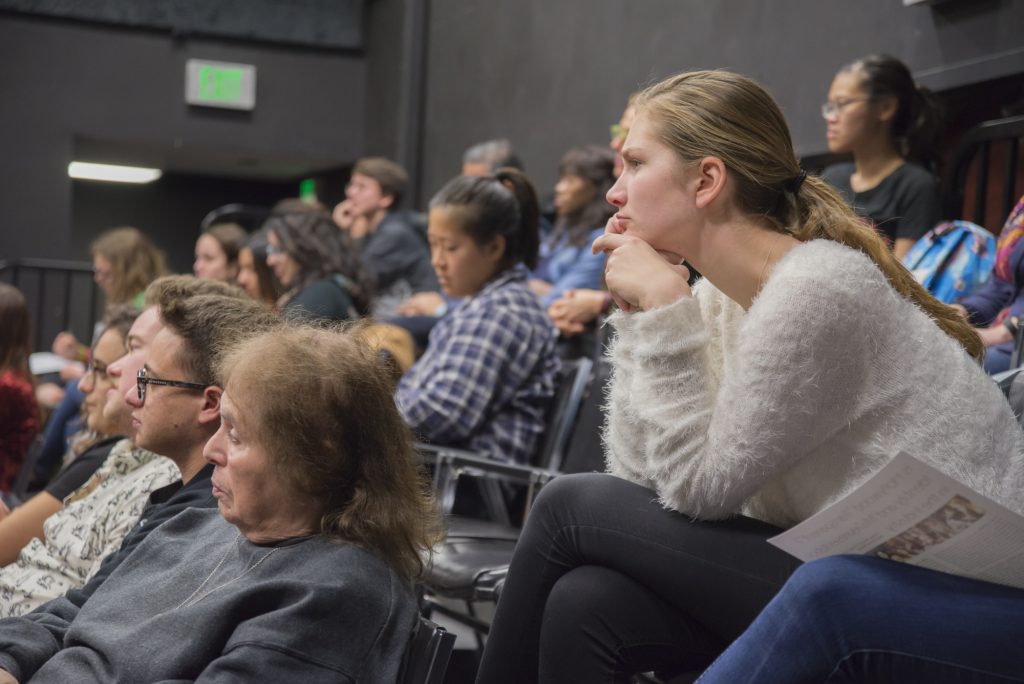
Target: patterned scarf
column 1012, row 232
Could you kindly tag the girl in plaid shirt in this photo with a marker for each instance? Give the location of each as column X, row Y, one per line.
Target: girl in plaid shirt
column 490, row 369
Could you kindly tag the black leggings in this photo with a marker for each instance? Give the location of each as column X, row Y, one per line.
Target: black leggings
column 606, row 582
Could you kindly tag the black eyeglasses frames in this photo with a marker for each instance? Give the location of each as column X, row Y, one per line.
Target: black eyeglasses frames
column 142, row 379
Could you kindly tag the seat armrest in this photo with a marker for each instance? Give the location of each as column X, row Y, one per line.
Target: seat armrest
column 451, row 463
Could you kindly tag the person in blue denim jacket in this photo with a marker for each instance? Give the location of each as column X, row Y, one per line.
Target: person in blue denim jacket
column 584, row 176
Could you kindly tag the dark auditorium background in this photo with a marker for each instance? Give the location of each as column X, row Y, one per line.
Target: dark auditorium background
column 415, row 80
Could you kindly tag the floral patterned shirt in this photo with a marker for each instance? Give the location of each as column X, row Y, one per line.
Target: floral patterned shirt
column 94, row 520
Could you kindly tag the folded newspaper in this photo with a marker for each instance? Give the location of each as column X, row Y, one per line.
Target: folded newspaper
column 909, row 511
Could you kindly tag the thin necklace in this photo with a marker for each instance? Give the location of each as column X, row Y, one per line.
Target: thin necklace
column 764, row 268
column 190, row 602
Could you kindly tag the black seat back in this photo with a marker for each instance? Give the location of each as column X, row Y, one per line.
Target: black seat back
column 564, row 409
column 19, row 491
column 426, row 656
column 1012, row 384
column 585, row 453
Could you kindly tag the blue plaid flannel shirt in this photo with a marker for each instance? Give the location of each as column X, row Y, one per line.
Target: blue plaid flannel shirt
column 488, row 375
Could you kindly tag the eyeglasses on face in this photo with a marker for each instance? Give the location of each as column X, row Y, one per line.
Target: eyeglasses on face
column 834, row 107
column 97, row 369
column 142, row 379
column 274, row 249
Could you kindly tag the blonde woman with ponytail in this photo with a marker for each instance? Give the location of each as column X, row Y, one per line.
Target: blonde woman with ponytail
column 801, row 364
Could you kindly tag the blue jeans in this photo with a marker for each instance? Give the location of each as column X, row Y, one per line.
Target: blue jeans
column 63, row 423
column 997, row 358
column 863, row 619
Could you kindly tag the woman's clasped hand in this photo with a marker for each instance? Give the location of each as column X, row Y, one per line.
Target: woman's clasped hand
column 638, row 276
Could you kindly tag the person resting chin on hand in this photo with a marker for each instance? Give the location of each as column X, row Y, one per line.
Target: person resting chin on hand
column 638, row 276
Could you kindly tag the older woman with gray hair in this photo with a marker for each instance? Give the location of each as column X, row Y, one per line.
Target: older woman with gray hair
column 304, row 574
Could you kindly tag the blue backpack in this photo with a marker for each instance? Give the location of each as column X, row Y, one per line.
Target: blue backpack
column 952, row 259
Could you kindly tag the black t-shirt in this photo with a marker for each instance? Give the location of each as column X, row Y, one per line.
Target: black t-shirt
column 325, row 299
column 74, row 474
column 905, row 205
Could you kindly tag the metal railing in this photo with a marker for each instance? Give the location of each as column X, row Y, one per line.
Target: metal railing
column 61, row 295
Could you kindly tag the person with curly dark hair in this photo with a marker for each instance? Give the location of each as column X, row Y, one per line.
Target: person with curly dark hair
column 318, row 266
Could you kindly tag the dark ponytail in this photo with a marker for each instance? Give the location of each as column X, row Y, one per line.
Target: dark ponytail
column 915, row 128
column 920, row 140
column 529, row 215
column 504, row 204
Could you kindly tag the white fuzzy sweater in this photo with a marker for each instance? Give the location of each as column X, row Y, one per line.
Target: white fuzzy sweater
column 779, row 411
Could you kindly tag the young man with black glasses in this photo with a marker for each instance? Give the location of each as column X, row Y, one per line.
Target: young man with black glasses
column 180, row 335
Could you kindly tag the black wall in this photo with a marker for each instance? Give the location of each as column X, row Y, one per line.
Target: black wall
column 386, row 37
column 550, row 75
column 321, row 23
column 65, row 87
column 170, row 210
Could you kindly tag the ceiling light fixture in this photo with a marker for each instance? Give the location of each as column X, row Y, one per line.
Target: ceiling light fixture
column 112, row 172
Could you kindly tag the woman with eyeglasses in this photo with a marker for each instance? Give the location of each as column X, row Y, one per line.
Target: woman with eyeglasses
column 877, row 114
column 103, row 428
column 318, row 266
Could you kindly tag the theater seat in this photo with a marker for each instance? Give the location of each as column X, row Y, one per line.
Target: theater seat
column 475, row 555
column 427, row 655
column 468, row 568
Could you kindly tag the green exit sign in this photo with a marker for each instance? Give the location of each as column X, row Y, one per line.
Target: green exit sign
column 220, row 84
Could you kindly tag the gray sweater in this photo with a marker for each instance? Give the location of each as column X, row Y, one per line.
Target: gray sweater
column 198, row 602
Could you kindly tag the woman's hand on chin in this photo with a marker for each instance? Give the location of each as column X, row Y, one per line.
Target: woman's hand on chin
column 639, row 277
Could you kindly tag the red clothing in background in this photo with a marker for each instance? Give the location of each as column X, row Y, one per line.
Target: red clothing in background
column 19, row 424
